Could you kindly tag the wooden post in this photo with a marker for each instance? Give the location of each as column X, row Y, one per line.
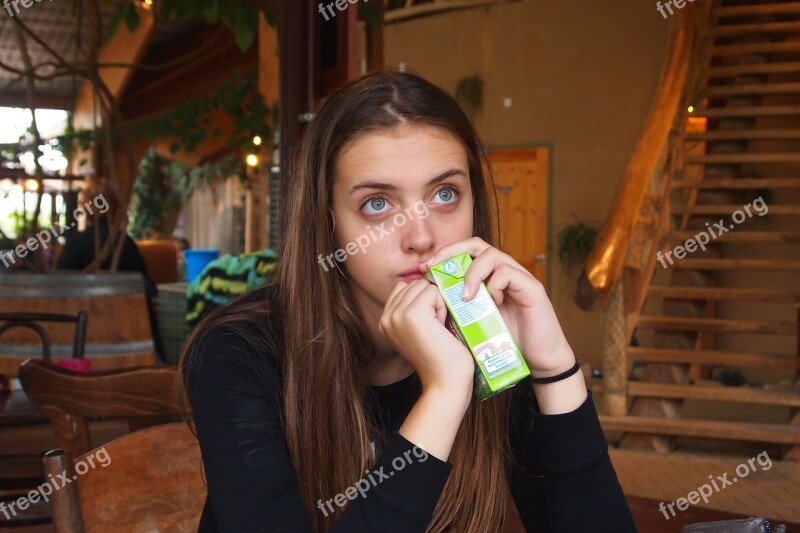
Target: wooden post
column 299, row 83
column 65, row 503
column 615, row 342
column 256, row 236
column 375, row 39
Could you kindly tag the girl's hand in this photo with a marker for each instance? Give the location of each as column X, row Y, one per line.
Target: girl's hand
column 522, row 302
column 413, row 321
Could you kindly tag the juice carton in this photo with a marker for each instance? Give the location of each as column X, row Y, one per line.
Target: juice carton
column 478, row 324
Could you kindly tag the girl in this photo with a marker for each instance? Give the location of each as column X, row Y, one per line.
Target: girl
column 335, row 399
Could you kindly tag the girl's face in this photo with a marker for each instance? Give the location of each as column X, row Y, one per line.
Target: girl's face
column 398, row 196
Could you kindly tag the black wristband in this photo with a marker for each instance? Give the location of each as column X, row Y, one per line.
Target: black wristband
column 559, row 377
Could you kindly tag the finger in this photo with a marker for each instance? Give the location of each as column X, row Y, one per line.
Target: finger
column 412, row 293
column 439, row 306
column 507, row 280
column 391, row 303
column 474, row 246
column 483, row 266
column 397, row 289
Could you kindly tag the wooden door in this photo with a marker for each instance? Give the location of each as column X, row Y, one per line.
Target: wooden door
column 521, row 179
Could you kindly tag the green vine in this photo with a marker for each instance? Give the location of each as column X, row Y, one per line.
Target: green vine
column 239, row 16
column 162, row 186
column 188, row 124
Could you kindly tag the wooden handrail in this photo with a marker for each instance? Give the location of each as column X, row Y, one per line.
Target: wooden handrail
column 604, row 264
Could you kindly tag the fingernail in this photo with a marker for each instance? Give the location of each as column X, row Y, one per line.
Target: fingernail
column 464, row 292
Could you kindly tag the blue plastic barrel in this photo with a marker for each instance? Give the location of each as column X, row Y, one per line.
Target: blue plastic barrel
column 196, row 261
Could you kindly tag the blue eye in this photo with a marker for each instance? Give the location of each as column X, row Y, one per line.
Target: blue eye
column 378, row 204
column 447, row 195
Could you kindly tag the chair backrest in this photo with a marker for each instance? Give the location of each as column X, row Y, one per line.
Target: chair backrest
column 149, row 480
column 143, row 395
column 33, row 322
column 160, row 259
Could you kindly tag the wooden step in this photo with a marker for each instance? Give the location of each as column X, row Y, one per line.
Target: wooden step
column 756, row 28
column 710, row 357
column 729, row 71
column 722, row 293
column 736, row 264
column 773, row 8
column 722, row 50
column 743, row 236
column 727, row 135
column 748, row 111
column 719, row 325
column 711, row 429
column 725, row 209
column 713, row 393
column 738, row 183
column 776, row 157
column 713, row 91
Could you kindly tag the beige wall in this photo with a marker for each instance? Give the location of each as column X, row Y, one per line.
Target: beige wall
column 580, row 75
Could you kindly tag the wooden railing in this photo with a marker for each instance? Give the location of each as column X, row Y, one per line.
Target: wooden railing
column 606, row 260
column 621, row 264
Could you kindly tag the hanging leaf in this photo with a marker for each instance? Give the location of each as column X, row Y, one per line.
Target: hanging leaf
column 245, row 26
column 211, row 12
column 131, row 17
column 115, row 20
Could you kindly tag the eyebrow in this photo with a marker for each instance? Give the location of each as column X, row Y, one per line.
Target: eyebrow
column 389, row 187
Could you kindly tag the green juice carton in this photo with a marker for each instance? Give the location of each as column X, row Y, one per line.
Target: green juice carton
column 499, row 364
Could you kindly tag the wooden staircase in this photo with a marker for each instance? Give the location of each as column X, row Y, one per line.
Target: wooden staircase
column 734, row 305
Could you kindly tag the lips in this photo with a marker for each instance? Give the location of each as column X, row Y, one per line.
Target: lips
column 412, row 274
column 412, row 270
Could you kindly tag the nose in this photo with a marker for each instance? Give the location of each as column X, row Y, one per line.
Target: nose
column 417, row 235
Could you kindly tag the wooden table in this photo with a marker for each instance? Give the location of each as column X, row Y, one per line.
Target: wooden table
column 17, row 410
column 648, row 518
column 24, row 433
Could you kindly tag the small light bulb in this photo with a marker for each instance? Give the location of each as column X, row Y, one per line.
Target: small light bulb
column 257, row 140
column 252, row 160
column 691, row 109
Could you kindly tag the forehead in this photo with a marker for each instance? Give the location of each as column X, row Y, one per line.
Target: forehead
column 411, row 148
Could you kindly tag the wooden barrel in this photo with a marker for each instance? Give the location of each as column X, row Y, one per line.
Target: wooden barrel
column 118, row 333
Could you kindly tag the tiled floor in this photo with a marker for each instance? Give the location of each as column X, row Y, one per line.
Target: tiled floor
column 773, row 492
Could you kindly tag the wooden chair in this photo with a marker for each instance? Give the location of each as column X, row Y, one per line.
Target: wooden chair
column 33, row 322
column 160, row 259
column 148, row 480
column 143, row 395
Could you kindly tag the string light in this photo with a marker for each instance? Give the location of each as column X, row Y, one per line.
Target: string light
column 252, row 160
column 257, row 140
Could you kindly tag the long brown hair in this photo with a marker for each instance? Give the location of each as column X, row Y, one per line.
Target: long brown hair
column 327, row 427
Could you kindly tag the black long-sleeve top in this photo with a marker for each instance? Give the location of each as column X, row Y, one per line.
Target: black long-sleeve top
column 563, row 481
